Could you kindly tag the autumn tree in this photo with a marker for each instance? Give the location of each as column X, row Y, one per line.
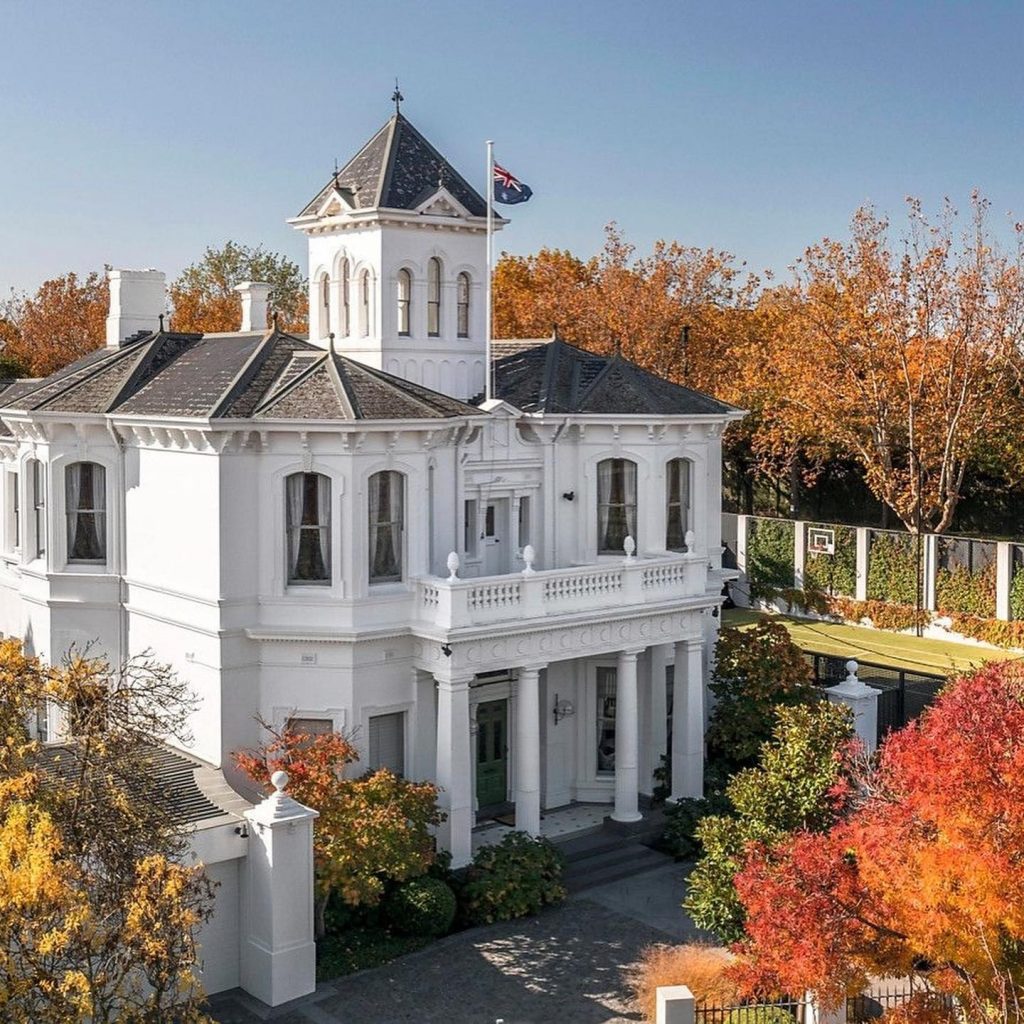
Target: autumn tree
column 903, row 353
column 924, row 875
column 204, row 298
column 64, row 320
column 372, row 828
column 98, row 911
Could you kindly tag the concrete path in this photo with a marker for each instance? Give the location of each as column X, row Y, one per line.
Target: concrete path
column 566, row 966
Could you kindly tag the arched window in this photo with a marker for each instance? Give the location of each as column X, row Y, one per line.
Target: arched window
column 364, row 303
column 387, row 526
column 404, row 293
column 434, row 297
column 616, row 505
column 325, row 305
column 463, row 305
column 308, row 513
column 85, row 502
column 343, row 326
column 678, row 508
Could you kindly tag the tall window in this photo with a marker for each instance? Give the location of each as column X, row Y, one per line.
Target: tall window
column 308, row 498
column 343, row 325
column 463, row 305
column 387, row 742
column 404, row 294
column 606, row 682
column 386, row 526
column 616, row 504
column 364, row 303
column 13, row 530
column 433, row 297
column 38, row 478
column 678, row 508
column 325, row 306
column 86, row 507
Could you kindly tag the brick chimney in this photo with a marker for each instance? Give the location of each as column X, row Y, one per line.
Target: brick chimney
column 254, row 304
column 137, row 301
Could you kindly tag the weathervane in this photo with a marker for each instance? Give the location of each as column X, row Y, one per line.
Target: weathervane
column 397, row 97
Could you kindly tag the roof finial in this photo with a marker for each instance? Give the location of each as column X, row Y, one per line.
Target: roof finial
column 397, row 97
column 273, row 319
column 161, row 323
column 554, row 332
column 330, row 342
column 335, row 172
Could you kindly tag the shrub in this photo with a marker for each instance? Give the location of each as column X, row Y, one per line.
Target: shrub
column 421, row 906
column 679, row 837
column 972, row 593
column 1017, row 593
column 882, row 614
column 769, row 555
column 515, row 878
column 761, row 1013
column 360, row 949
column 701, row 968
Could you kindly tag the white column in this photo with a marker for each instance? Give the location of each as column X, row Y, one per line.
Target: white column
column 528, row 751
column 930, row 571
column 863, row 547
column 688, row 720
column 278, row 954
column 1004, row 579
column 741, row 593
column 627, row 740
column 454, row 769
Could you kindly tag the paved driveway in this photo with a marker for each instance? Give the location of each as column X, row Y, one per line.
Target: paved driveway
column 566, row 966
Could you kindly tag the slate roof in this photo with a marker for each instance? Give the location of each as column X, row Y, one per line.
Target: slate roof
column 397, row 170
column 192, row 792
column 556, row 377
column 263, row 375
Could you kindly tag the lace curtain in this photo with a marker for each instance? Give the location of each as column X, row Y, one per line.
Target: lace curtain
column 386, row 522
column 85, row 494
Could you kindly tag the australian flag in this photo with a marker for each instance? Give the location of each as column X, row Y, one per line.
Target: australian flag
column 509, row 189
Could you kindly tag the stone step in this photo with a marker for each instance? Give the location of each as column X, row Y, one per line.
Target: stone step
column 612, row 866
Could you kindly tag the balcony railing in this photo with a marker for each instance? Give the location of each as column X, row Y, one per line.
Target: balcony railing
column 452, row 603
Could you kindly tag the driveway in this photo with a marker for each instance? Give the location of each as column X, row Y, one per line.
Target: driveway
column 566, row 966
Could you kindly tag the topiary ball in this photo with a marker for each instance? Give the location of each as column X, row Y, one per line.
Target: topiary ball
column 421, row 906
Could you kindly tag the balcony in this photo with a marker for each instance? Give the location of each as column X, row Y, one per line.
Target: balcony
column 549, row 593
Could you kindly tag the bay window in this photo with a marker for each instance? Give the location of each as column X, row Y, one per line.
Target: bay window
column 85, row 499
column 308, row 498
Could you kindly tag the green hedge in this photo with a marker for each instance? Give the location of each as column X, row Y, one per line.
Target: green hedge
column 1017, row 591
column 769, row 555
column 836, row 573
column 892, row 568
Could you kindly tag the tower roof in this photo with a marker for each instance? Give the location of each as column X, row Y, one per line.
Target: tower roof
column 397, row 170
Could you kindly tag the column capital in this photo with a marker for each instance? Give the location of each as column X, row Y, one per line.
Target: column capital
column 459, row 682
column 538, row 668
column 631, row 653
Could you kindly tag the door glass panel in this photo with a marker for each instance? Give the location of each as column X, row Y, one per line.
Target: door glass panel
column 606, row 678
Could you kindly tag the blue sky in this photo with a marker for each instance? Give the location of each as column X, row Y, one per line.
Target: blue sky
column 137, row 133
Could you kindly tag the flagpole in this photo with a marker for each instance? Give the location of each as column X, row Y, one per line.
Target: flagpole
column 489, row 390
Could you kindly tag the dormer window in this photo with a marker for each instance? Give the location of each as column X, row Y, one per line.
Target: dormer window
column 387, row 526
column 679, row 512
column 616, row 505
column 434, row 297
column 86, row 507
column 343, row 325
column 364, row 303
column 308, row 497
column 404, row 294
column 463, row 305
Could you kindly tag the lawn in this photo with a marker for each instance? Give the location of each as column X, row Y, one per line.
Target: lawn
column 875, row 645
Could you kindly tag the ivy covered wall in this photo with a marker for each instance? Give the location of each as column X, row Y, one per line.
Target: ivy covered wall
column 835, row 573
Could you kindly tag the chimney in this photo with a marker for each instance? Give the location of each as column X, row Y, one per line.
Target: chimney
column 254, row 304
column 137, row 301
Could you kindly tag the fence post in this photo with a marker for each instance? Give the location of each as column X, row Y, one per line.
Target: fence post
column 799, row 553
column 930, row 570
column 862, row 700
column 863, row 544
column 675, row 1005
column 741, row 595
column 1004, row 579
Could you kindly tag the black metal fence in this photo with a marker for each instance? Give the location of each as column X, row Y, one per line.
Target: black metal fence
column 871, row 1005
column 784, row 1012
column 903, row 694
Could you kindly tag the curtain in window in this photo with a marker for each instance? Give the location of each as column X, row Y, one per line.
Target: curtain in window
column 678, row 508
column 463, row 303
column 604, row 490
column 629, row 497
column 434, row 297
column 386, row 516
column 86, row 511
column 404, row 292
column 344, row 328
column 308, row 497
column 323, row 516
column 616, row 504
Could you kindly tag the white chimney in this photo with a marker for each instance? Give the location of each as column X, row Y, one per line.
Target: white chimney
column 137, row 301
column 254, row 304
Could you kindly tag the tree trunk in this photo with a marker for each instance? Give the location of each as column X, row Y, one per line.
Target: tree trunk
column 319, row 914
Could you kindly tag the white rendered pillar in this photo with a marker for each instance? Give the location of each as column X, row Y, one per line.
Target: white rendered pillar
column 454, row 769
column 1004, row 579
column 688, row 720
column 799, row 553
column 675, row 1005
column 863, row 546
column 627, row 740
column 278, row 954
column 528, row 751
column 862, row 701
column 741, row 594
column 930, row 571
column 659, row 657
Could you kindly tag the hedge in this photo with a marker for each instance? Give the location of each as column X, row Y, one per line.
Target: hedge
column 835, row 573
column 769, row 555
column 892, row 568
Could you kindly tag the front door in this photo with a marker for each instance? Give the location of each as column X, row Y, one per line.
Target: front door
column 491, row 753
column 495, row 539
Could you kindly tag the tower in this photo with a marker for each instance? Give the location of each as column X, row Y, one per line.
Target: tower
column 398, row 262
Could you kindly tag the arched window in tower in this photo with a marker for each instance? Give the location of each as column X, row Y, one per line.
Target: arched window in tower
column 343, row 324
column 364, row 303
column 463, row 305
column 325, row 305
column 434, row 297
column 404, row 294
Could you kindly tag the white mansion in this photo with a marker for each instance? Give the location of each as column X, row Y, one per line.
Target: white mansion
column 515, row 599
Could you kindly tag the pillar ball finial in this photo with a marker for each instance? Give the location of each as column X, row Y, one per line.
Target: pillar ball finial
column 279, row 780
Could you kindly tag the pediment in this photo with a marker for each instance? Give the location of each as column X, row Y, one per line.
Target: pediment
column 337, row 201
column 442, row 204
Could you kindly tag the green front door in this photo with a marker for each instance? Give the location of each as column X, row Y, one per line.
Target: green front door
column 491, row 752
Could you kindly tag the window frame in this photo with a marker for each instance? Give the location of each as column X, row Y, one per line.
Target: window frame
column 12, row 511
column 403, row 302
column 671, row 501
column 605, row 502
column 462, row 304
column 322, row 531
column 364, row 304
column 325, row 304
column 434, row 276
column 345, row 322
column 403, row 729
column 38, row 478
column 98, row 512
column 392, row 524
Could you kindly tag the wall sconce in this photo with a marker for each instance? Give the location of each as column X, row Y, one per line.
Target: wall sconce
column 446, row 650
column 569, row 495
column 563, row 709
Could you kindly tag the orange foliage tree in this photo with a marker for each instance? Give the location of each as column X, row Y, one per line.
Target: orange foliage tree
column 63, row 321
column 926, row 874
column 371, row 829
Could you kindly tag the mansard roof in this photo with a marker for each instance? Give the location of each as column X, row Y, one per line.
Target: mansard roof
column 556, row 377
column 266, row 375
column 397, row 169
